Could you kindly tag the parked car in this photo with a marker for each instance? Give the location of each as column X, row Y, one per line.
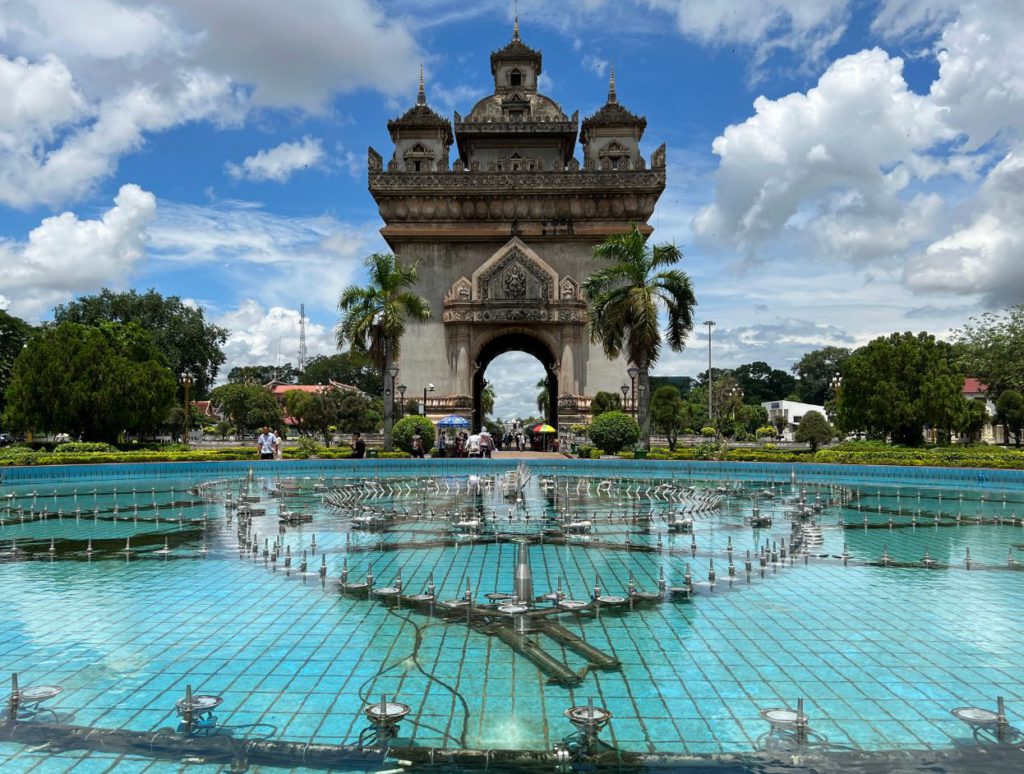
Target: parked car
column 61, row 438
column 6, row 439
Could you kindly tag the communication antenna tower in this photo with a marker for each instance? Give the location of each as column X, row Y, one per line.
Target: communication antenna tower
column 302, row 338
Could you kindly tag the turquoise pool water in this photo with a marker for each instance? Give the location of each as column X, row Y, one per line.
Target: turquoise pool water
column 879, row 652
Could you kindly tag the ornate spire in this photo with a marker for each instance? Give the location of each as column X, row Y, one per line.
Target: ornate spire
column 421, row 96
column 612, row 98
column 515, row 25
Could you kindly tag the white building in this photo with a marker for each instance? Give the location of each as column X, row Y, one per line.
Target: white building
column 793, row 411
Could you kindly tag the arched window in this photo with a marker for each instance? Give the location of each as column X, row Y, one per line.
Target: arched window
column 515, row 78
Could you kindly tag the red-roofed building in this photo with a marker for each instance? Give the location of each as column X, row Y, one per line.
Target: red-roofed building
column 974, row 389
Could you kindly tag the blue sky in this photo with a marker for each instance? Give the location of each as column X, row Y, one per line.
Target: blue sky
column 838, row 169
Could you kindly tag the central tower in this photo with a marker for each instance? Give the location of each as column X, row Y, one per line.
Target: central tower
column 504, row 235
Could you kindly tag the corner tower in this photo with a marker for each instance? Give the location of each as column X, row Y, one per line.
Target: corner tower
column 505, row 236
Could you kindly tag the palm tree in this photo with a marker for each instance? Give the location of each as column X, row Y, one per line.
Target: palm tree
column 543, row 397
column 373, row 318
column 624, row 300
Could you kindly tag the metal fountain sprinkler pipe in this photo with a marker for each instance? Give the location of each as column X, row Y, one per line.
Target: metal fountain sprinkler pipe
column 15, row 698
column 523, row 586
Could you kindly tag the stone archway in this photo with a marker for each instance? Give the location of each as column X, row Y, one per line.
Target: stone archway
column 516, row 341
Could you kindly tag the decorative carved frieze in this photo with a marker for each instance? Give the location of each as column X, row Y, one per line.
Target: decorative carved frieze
column 522, row 180
column 478, row 312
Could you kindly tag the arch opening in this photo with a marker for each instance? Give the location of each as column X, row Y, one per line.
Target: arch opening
column 516, row 342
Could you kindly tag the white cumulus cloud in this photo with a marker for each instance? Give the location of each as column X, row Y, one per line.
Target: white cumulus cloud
column 65, row 256
column 279, row 163
column 269, row 335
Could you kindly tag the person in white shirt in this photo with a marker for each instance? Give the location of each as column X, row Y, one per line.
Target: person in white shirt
column 266, row 444
column 473, row 445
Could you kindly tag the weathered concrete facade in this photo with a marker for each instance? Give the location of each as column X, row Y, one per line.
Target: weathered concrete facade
column 505, row 236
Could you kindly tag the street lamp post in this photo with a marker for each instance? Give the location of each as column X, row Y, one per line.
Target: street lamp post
column 187, row 380
column 401, row 404
column 428, row 388
column 711, row 419
column 632, row 371
column 393, row 373
column 625, row 399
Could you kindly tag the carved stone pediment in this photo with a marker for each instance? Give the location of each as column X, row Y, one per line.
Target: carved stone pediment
column 515, row 273
column 461, row 290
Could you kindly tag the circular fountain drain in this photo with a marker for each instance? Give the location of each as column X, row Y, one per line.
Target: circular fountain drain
column 454, row 603
column 420, row 597
column 199, row 703
column 497, row 596
column 611, row 600
column 356, row 586
column 782, row 716
column 976, row 716
column 572, row 604
column 589, row 715
column 386, row 591
column 512, row 609
column 389, row 711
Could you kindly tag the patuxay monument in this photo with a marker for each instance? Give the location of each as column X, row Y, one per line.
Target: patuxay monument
column 503, row 235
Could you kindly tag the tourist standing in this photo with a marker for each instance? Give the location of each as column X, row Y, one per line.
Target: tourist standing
column 266, row 443
column 417, row 446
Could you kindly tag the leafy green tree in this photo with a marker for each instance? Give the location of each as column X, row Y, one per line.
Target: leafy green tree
column 682, row 383
column 345, row 368
column 298, row 404
column 94, row 382
column 1010, row 413
column 624, row 301
column 180, row 331
column 14, row 334
column 760, row 382
column 604, row 402
column 669, row 414
column 406, row 428
column 613, row 431
column 249, row 406
column 895, row 385
column 816, row 370
column 374, row 317
column 263, row 374
column 543, row 397
column 224, row 429
column 727, row 403
column 814, row 430
column 487, row 400
column 972, row 419
column 359, row 414
column 991, row 347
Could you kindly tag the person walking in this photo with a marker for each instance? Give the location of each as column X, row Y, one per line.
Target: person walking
column 266, row 444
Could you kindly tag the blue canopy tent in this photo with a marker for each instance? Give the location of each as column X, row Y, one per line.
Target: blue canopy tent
column 453, row 421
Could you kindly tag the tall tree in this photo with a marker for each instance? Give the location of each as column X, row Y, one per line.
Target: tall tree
column 605, row 401
column 1010, row 413
column 14, row 333
column 487, row 400
column 624, row 300
column 669, row 413
column 263, row 374
column 760, row 382
column 180, row 331
column 895, row 385
column 816, row 370
column 373, row 318
column 249, row 406
column 94, row 382
column 344, row 367
column 991, row 347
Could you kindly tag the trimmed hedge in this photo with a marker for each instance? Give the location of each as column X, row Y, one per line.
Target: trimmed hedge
column 613, row 431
